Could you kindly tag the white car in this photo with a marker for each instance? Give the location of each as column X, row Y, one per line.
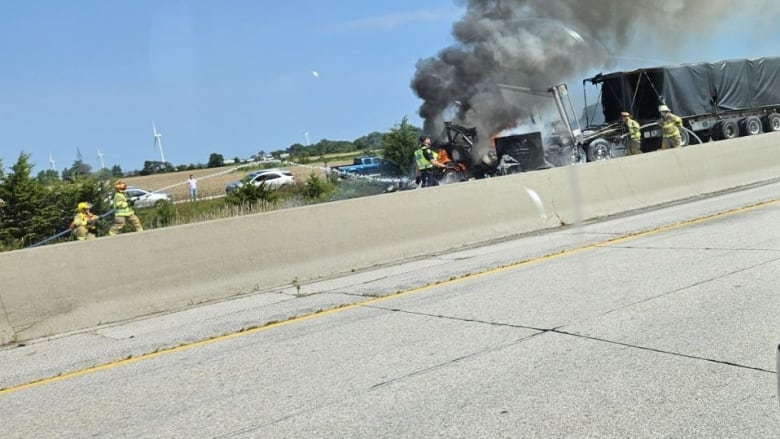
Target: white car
column 273, row 178
column 142, row 198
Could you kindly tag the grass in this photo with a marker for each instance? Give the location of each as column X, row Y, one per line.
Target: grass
column 211, row 209
column 211, row 190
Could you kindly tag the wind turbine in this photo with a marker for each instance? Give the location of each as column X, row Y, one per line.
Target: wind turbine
column 100, row 157
column 158, row 142
column 307, row 137
column 52, row 163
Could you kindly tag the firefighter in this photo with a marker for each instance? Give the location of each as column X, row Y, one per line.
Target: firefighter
column 123, row 211
column 634, row 134
column 84, row 224
column 670, row 124
column 425, row 160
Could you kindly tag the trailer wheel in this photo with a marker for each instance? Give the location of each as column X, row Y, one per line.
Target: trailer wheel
column 772, row 123
column 750, row 126
column 704, row 135
column 572, row 155
column 599, row 149
column 685, row 138
column 715, row 132
column 728, row 129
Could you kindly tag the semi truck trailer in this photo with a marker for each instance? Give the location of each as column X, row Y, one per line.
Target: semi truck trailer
column 717, row 100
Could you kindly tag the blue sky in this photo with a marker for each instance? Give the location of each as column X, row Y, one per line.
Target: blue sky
column 236, row 77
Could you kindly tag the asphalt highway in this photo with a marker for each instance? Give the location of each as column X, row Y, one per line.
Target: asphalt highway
column 660, row 323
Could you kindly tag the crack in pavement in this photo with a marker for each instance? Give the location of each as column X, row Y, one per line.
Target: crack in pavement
column 542, row 331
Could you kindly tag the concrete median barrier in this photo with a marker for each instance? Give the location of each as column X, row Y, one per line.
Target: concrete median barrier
column 6, row 331
column 77, row 285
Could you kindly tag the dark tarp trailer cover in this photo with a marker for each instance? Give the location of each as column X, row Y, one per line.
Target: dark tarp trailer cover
column 691, row 89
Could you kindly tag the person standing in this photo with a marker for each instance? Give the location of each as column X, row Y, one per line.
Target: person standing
column 122, row 211
column 634, row 134
column 670, row 124
column 192, row 185
column 425, row 160
column 84, row 224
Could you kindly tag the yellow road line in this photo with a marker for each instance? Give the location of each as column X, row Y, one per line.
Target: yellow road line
column 312, row 315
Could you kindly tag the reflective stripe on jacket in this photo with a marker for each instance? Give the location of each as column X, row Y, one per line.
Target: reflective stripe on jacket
column 121, row 206
column 671, row 125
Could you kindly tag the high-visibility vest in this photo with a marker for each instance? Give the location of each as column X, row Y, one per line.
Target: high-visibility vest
column 419, row 158
column 121, row 206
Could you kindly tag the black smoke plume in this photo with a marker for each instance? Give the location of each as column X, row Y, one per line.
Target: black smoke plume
column 538, row 43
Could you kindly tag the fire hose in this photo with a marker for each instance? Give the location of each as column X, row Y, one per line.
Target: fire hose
column 68, row 230
column 110, row 212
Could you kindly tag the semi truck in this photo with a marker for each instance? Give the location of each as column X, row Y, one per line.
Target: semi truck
column 718, row 100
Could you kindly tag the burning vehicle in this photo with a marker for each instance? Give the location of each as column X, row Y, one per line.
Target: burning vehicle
column 466, row 158
column 721, row 100
column 541, row 44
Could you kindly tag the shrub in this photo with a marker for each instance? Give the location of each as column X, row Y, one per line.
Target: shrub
column 251, row 195
column 317, row 189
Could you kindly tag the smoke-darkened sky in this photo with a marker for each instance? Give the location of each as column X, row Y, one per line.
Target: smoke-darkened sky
column 538, row 43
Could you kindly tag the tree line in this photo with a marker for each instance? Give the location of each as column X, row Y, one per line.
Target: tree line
column 36, row 208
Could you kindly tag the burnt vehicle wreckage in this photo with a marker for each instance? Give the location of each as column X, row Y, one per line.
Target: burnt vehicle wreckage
column 716, row 101
column 719, row 100
column 463, row 159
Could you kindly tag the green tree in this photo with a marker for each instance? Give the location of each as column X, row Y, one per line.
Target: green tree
column 78, row 170
column 320, row 149
column 116, row 171
column 48, row 177
column 371, row 141
column 156, row 167
column 27, row 215
column 296, row 149
column 103, row 174
column 215, row 160
column 398, row 147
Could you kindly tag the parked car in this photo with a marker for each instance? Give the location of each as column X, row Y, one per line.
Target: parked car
column 362, row 166
column 142, row 198
column 273, row 178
